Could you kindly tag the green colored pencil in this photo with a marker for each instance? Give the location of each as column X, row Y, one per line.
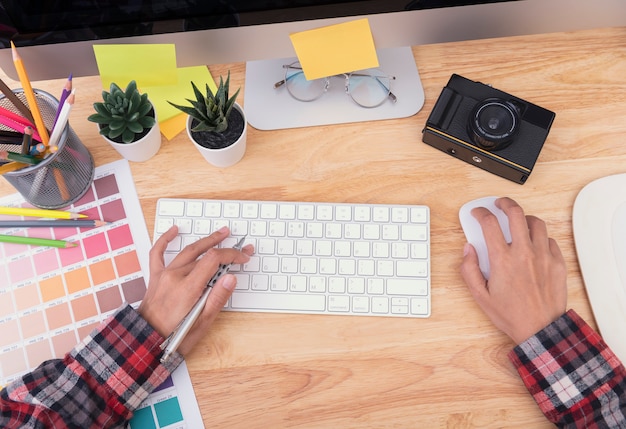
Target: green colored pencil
column 18, row 157
column 33, row 241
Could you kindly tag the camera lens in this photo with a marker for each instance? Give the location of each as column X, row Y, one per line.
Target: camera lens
column 493, row 124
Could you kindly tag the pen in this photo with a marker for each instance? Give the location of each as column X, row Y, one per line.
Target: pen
column 54, row 214
column 172, row 342
column 33, row 241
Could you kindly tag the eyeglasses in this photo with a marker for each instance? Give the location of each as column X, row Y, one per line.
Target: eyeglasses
column 368, row 88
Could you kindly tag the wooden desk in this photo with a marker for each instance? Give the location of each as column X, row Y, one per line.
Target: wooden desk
column 451, row 370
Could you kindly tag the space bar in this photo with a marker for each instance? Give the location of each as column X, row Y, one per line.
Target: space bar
column 277, row 301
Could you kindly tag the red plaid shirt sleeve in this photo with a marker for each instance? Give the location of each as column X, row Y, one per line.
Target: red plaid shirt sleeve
column 574, row 377
column 98, row 384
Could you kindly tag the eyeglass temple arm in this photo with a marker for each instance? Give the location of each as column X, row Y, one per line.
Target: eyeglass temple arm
column 283, row 81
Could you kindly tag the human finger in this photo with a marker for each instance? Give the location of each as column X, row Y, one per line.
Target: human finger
column 517, row 219
column 156, row 260
column 471, row 274
column 492, row 233
column 209, row 263
column 538, row 232
column 194, row 250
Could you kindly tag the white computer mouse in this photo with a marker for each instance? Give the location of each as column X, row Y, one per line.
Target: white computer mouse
column 474, row 233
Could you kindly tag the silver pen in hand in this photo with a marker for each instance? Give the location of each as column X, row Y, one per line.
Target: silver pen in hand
column 172, row 342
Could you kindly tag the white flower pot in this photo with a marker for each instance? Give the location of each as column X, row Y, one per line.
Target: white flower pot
column 143, row 149
column 229, row 155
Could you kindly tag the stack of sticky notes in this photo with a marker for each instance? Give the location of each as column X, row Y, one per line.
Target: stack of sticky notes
column 153, row 67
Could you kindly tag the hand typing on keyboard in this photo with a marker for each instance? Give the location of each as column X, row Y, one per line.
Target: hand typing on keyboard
column 320, row 258
column 174, row 289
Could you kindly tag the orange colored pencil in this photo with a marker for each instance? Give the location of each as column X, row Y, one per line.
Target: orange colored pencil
column 30, row 95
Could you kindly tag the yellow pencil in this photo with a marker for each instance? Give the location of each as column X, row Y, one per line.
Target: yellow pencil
column 51, row 214
column 11, row 166
column 30, row 95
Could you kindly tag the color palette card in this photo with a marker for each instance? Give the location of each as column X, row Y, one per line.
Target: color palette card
column 51, row 298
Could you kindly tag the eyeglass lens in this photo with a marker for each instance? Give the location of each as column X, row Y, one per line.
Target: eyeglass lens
column 302, row 89
column 369, row 88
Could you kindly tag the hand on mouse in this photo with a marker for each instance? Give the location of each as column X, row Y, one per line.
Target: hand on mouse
column 527, row 289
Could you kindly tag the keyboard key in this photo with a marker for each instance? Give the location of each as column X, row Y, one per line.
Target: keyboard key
column 419, row 306
column 411, row 268
column 194, row 209
column 268, row 211
column 380, row 304
column 360, row 304
column 285, row 302
column 407, row 287
column 339, row 303
column 171, row 208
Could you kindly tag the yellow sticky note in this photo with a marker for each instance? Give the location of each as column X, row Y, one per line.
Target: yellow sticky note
column 147, row 64
column 173, row 126
column 172, row 120
column 335, row 49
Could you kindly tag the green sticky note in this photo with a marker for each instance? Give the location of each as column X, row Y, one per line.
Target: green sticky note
column 147, row 64
column 335, row 49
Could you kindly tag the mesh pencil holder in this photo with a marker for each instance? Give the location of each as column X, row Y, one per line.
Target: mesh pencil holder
column 63, row 176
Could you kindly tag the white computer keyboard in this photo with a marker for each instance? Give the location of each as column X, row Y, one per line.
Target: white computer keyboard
column 326, row 258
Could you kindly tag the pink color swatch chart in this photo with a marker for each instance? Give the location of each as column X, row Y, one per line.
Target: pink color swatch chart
column 51, row 298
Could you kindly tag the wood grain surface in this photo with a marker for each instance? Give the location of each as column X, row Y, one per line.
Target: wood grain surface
column 448, row 371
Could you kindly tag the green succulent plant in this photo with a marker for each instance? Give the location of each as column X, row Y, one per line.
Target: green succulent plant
column 123, row 114
column 211, row 111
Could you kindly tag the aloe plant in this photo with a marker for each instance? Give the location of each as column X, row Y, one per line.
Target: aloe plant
column 123, row 114
column 211, row 111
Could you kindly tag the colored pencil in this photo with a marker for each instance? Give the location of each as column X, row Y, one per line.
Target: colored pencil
column 52, row 223
column 24, row 159
column 30, row 95
column 12, row 140
column 62, row 120
column 27, row 140
column 33, row 241
column 19, row 105
column 15, row 124
column 11, row 166
column 10, row 134
column 55, row 137
column 14, row 116
column 51, row 214
column 60, row 181
column 67, row 89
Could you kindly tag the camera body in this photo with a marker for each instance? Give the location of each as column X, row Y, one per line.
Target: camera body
column 488, row 128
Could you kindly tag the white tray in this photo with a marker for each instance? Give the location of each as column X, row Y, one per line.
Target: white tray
column 599, row 222
column 272, row 109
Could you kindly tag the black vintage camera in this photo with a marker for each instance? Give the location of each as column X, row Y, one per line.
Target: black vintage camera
column 488, row 128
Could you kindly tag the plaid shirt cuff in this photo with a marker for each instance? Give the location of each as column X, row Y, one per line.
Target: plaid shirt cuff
column 572, row 374
column 98, row 384
column 124, row 356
